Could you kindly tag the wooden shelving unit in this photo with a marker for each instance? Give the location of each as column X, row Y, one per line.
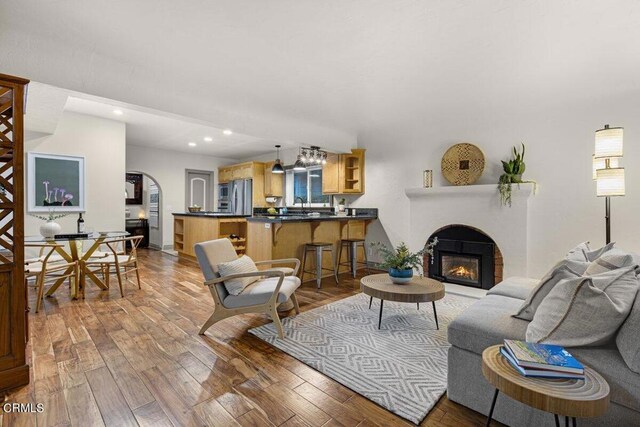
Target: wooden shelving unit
column 237, row 227
column 344, row 173
column 14, row 330
column 178, row 234
column 353, row 172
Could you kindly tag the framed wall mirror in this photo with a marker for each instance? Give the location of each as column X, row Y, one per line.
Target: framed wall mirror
column 133, row 189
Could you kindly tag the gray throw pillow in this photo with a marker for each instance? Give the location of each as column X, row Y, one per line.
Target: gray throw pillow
column 610, row 260
column 585, row 311
column 583, row 252
column 628, row 339
column 244, row 264
column 565, row 269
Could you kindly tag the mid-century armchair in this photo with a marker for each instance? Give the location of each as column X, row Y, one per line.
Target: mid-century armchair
column 274, row 287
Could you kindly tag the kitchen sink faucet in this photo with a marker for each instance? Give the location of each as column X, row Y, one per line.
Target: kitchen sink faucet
column 301, row 203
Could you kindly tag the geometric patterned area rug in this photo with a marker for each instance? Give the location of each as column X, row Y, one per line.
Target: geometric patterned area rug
column 401, row 367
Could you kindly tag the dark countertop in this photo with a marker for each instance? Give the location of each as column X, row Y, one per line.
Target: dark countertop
column 209, row 214
column 304, row 218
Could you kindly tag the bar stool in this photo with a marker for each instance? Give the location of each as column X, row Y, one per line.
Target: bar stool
column 352, row 251
column 319, row 248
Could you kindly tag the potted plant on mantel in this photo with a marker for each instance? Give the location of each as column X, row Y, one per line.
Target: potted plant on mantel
column 400, row 261
column 513, row 170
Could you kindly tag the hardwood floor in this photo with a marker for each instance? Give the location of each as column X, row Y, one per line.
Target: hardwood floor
column 139, row 360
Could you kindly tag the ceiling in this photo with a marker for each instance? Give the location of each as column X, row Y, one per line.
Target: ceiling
column 157, row 130
column 144, row 127
column 326, row 72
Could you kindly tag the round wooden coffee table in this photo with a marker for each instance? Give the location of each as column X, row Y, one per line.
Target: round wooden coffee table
column 419, row 289
column 570, row 398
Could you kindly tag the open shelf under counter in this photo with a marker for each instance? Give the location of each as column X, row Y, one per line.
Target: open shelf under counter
column 190, row 229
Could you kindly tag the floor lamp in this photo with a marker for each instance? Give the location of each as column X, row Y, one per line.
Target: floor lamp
column 607, row 173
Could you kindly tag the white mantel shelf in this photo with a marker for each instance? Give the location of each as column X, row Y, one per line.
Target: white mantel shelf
column 476, row 206
column 523, row 190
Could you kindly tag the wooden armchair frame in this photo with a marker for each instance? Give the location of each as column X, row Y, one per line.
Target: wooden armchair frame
column 273, row 262
column 270, row 307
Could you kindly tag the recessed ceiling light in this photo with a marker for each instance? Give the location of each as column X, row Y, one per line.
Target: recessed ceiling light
column 192, row 144
column 227, row 132
column 207, row 139
column 118, row 112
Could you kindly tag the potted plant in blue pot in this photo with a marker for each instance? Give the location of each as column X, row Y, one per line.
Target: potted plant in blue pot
column 400, row 261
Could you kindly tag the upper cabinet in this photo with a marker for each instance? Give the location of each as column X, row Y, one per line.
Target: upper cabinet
column 273, row 182
column 247, row 170
column 344, row 173
column 225, row 174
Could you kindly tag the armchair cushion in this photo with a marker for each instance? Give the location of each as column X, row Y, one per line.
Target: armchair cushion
column 259, row 292
column 244, row 264
column 288, row 271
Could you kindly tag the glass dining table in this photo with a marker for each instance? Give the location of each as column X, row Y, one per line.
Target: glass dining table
column 74, row 253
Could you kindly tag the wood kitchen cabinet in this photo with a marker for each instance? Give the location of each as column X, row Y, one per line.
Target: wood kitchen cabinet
column 224, row 175
column 247, row 170
column 344, row 173
column 273, row 182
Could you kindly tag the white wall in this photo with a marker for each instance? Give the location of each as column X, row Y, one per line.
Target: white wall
column 102, row 143
column 168, row 169
column 560, row 138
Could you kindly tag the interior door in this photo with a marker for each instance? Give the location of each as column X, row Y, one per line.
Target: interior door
column 199, row 189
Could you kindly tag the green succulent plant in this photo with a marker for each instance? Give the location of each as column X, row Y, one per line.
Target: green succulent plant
column 513, row 170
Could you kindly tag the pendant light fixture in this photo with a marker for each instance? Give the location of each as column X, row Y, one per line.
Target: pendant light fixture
column 299, row 164
column 310, row 156
column 277, row 166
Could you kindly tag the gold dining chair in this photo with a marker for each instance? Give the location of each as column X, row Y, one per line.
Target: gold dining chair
column 48, row 267
column 122, row 262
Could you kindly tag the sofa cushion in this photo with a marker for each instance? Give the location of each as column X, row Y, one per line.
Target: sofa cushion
column 514, row 287
column 487, row 322
column 244, row 264
column 259, row 292
column 565, row 269
column 607, row 361
column 610, row 260
column 585, row 310
column 628, row 338
column 583, row 252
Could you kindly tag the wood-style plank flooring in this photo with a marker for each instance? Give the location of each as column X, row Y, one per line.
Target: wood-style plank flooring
column 139, row 360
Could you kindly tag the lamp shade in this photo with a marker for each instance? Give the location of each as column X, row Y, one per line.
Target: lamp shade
column 602, row 164
column 609, row 142
column 610, row 182
column 299, row 164
column 277, row 167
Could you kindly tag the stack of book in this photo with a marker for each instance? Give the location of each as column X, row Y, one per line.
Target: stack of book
column 541, row 360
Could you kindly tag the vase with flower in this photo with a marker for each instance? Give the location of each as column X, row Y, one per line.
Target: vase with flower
column 50, row 228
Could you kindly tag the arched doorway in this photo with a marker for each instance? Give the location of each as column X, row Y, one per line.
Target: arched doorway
column 151, row 209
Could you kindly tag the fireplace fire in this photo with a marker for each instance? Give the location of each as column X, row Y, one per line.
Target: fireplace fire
column 465, row 256
column 463, row 268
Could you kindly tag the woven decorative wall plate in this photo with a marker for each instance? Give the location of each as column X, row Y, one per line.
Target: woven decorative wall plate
column 462, row 164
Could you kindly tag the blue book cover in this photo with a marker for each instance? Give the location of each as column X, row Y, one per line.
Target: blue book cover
column 543, row 356
column 538, row 373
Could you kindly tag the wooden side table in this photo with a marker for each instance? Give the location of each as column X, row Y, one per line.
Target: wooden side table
column 570, row 398
column 420, row 289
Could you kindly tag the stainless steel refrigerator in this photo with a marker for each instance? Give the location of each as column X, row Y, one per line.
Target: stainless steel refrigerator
column 241, row 197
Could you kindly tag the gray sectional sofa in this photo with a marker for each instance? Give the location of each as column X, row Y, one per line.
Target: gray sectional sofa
column 489, row 322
